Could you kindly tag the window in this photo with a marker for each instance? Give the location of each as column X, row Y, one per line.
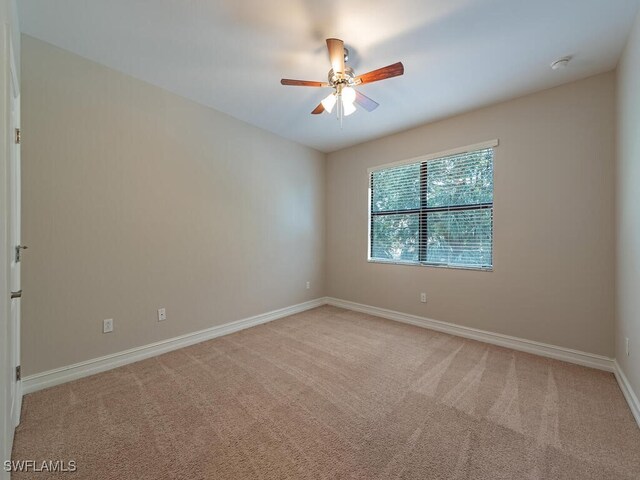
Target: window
column 434, row 211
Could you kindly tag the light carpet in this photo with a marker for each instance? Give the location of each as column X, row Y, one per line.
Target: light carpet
column 335, row 394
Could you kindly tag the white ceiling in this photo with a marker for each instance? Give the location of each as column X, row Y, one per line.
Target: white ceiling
column 230, row 54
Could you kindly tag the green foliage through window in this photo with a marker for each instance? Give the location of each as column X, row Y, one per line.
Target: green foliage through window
column 438, row 212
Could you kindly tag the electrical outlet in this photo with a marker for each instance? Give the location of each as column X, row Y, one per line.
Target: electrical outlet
column 162, row 314
column 107, row 325
column 423, row 297
column 308, row 285
column 626, row 341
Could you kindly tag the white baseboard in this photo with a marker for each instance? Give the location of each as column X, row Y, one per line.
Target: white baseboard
column 627, row 391
column 551, row 351
column 57, row 376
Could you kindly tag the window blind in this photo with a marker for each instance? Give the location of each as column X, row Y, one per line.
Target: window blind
column 434, row 212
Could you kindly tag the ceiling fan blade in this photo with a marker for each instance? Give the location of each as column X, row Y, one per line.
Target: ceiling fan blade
column 380, row 74
column 365, row 102
column 336, row 54
column 318, row 109
column 303, row 83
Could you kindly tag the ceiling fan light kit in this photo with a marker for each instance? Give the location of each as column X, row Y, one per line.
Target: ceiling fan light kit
column 343, row 80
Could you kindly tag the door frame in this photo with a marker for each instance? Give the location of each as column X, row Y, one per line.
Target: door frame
column 14, row 230
column 10, row 390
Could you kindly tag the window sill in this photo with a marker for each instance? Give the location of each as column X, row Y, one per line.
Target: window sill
column 420, row 264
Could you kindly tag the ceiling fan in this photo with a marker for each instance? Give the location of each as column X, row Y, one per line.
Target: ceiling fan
column 343, row 80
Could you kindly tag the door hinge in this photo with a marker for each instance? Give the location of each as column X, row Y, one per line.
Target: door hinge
column 19, row 249
column 18, row 136
column 18, row 374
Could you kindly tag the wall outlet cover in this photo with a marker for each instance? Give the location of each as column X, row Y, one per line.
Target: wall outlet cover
column 107, row 325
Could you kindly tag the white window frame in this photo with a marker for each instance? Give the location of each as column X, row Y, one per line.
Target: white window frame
column 424, row 158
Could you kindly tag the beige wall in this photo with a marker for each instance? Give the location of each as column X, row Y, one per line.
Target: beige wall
column 554, row 221
column 628, row 210
column 135, row 198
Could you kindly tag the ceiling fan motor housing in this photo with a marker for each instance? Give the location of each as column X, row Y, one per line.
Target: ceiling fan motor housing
column 346, row 79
